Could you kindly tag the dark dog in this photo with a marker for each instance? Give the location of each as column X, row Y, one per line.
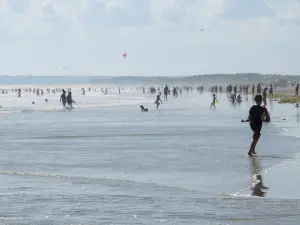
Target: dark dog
column 143, row 108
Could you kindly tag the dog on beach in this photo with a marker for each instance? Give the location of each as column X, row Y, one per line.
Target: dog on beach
column 143, row 108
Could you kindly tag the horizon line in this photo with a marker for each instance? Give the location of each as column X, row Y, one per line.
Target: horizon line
column 175, row 76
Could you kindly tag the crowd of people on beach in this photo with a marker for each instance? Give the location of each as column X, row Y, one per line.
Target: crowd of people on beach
column 65, row 99
column 234, row 92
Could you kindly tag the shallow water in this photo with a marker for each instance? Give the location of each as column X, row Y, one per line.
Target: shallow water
column 107, row 163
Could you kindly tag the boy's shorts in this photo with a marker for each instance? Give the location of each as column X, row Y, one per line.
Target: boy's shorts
column 256, row 131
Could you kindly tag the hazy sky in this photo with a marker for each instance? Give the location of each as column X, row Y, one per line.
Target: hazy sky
column 161, row 37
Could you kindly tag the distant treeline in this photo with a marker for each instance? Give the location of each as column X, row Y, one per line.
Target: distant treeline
column 205, row 79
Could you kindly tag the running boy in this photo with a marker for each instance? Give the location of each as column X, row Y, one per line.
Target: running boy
column 213, row 103
column 158, row 101
column 256, row 115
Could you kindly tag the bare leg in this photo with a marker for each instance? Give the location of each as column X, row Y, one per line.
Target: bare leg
column 252, row 147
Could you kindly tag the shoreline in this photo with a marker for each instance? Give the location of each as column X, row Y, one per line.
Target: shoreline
column 281, row 94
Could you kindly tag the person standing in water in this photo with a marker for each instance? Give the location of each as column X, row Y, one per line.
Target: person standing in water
column 70, row 101
column 158, row 101
column 256, row 116
column 213, row 103
column 271, row 91
column 63, row 98
column 166, row 92
column 265, row 96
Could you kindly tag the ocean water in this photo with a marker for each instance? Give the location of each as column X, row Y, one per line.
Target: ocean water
column 105, row 162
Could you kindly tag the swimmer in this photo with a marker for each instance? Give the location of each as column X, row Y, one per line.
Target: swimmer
column 46, row 100
column 158, row 101
column 213, row 103
column 33, row 103
column 256, row 116
column 143, row 108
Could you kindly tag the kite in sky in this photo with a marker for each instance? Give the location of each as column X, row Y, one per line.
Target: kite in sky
column 124, row 55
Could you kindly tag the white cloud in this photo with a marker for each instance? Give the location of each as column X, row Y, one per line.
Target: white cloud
column 161, row 12
column 115, row 4
column 287, row 9
column 206, row 11
column 292, row 11
column 197, row 12
column 4, row 6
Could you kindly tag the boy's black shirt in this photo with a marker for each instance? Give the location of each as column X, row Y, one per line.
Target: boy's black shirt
column 255, row 115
